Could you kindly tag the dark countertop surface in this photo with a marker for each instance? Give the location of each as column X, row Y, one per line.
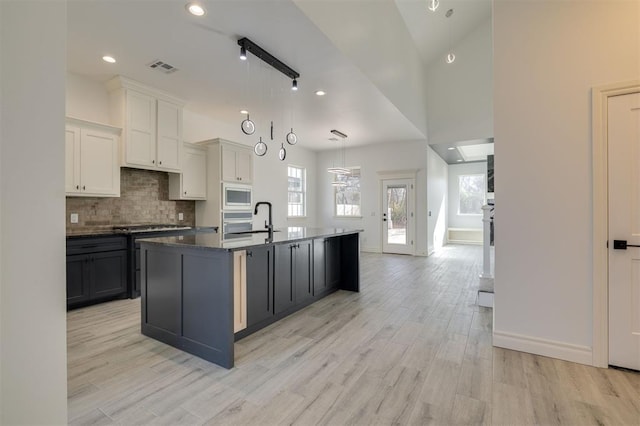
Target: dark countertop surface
column 210, row 241
column 107, row 230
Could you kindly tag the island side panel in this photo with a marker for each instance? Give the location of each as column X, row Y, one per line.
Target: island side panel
column 207, row 305
column 161, row 274
column 350, row 262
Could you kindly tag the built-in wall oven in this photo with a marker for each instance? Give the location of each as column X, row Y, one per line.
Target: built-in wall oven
column 236, row 197
column 236, row 221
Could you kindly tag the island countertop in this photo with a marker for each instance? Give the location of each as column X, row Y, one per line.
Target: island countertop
column 210, row 241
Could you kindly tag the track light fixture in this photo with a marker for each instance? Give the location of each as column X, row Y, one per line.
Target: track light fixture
column 243, row 53
column 294, row 86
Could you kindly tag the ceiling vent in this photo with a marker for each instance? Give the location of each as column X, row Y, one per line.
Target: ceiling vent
column 162, row 67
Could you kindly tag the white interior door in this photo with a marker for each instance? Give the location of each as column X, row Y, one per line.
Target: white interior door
column 397, row 216
column 624, row 225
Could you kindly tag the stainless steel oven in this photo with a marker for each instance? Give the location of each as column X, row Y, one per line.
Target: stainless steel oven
column 236, row 221
column 236, row 197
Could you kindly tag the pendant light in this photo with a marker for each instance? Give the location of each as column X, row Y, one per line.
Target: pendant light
column 433, row 5
column 248, row 127
column 339, row 169
column 450, row 56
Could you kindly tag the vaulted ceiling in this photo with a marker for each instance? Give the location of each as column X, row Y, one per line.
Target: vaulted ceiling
column 371, row 58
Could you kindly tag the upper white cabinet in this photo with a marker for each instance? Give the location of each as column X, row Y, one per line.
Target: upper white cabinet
column 91, row 159
column 236, row 164
column 191, row 184
column 152, row 123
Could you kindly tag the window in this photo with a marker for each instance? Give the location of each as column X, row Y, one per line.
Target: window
column 348, row 196
column 471, row 195
column 297, row 191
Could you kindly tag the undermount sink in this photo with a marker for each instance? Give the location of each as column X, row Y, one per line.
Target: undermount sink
column 257, row 231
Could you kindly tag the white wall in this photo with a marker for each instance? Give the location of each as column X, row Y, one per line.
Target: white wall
column 372, row 159
column 548, row 56
column 86, row 99
column 460, row 95
column 457, row 220
column 271, row 182
column 437, row 195
column 33, row 364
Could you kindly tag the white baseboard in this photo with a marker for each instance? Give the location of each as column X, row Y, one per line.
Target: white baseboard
column 370, row 249
column 485, row 299
column 544, row 347
column 464, row 235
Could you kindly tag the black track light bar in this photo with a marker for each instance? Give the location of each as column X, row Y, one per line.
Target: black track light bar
column 339, row 133
column 267, row 57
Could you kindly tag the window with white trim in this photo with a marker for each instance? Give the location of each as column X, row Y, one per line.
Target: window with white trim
column 471, row 195
column 347, row 194
column 297, row 187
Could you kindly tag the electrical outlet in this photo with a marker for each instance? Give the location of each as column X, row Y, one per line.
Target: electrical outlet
column 180, row 216
column 74, row 218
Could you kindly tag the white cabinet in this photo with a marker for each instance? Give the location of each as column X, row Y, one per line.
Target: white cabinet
column 228, row 162
column 152, row 123
column 191, row 184
column 237, row 164
column 91, row 159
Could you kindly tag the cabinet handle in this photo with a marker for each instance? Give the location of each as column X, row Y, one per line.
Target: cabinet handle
column 249, row 254
column 153, row 161
column 83, row 187
column 185, row 192
column 160, row 162
column 77, row 186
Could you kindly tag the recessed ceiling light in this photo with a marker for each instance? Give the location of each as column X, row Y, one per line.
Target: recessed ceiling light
column 109, row 59
column 244, row 111
column 451, row 148
column 320, row 92
column 196, row 9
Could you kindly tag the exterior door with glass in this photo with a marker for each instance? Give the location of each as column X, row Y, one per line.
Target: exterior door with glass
column 397, row 216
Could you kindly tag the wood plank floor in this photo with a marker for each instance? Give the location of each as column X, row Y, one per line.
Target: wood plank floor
column 412, row 348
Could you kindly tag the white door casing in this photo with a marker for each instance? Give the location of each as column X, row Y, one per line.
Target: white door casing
column 600, row 328
column 624, row 224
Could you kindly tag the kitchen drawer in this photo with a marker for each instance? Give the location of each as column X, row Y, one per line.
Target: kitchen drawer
column 95, row 244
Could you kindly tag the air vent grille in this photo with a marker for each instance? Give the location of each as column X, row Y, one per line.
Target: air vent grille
column 162, row 67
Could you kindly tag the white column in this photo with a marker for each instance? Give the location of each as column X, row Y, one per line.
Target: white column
column 486, row 242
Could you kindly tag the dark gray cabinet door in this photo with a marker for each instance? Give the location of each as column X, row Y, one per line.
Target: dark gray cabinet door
column 332, row 263
column 259, row 284
column 302, row 271
column 77, row 279
column 108, row 273
column 284, row 291
column 319, row 282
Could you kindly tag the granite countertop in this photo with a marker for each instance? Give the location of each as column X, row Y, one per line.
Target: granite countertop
column 97, row 231
column 209, row 241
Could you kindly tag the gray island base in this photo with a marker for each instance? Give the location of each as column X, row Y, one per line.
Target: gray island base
column 201, row 293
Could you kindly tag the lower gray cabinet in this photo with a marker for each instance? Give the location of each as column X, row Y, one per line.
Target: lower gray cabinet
column 96, row 270
column 302, row 262
column 283, row 297
column 326, row 265
column 293, row 283
column 259, row 272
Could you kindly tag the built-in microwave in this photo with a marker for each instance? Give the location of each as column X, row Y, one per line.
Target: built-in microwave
column 236, row 197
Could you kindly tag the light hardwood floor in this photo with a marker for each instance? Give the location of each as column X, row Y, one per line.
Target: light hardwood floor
column 412, row 348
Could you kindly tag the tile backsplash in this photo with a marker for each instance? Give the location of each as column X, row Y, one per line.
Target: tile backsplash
column 144, row 198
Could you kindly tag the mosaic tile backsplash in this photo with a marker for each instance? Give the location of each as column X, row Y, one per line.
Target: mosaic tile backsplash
column 144, row 198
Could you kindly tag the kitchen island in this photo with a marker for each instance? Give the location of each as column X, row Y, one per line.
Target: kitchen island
column 200, row 293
